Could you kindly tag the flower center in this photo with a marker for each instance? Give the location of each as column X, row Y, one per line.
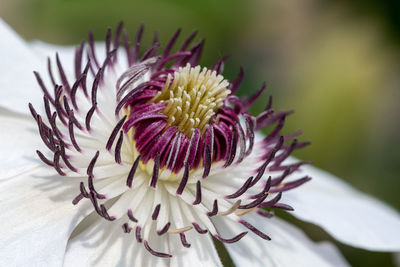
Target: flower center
column 192, row 97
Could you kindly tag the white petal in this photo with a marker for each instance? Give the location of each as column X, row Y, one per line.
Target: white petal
column 104, row 243
column 17, row 82
column 288, row 247
column 347, row 214
column 37, row 217
column 45, row 50
column 202, row 252
column 19, row 139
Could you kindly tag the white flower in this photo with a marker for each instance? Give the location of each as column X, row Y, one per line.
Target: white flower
column 202, row 170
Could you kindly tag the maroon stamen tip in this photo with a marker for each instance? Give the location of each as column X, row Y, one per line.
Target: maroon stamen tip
column 92, row 52
column 232, row 150
column 78, row 60
column 138, row 235
column 184, row 241
column 49, row 70
column 164, row 229
column 44, row 159
column 132, row 172
column 214, row 210
column 105, row 214
column 254, row 97
column 171, row 43
column 290, row 185
column 139, row 35
column 236, row 83
column 188, row 41
column 43, row 87
column 219, row 65
column 254, row 203
column 89, row 116
column 118, row 148
column 184, row 180
column 254, row 230
column 241, row 190
column 115, row 132
column 131, row 217
column 76, row 200
column 198, row 194
column 126, row 228
column 156, row 211
column 155, row 253
column 154, row 178
column 89, row 170
column 83, row 190
column 62, row 75
column 271, row 202
column 56, row 161
column 72, row 135
column 265, row 190
column 199, row 229
column 207, row 161
column 283, row 206
column 231, row 240
column 95, row 86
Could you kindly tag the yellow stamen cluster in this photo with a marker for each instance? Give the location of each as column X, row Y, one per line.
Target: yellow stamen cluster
column 193, row 96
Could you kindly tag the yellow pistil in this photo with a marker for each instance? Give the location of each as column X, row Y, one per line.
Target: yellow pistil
column 193, row 96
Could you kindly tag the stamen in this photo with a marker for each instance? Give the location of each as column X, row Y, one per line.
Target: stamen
column 155, row 212
column 132, row 172
column 231, row 210
column 231, row 240
column 126, row 228
column 155, row 253
column 254, row 230
column 180, row 230
column 164, row 229
column 138, row 236
column 131, row 217
column 199, row 229
column 198, row 194
column 154, row 179
column 184, row 241
column 118, row 148
column 214, row 210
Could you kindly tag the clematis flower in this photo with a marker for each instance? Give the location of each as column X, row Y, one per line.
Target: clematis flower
column 142, row 156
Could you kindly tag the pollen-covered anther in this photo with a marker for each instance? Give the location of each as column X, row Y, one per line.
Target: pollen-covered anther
column 193, row 96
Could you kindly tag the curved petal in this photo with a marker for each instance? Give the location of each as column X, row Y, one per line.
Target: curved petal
column 17, row 83
column 288, row 245
column 202, row 252
column 37, row 218
column 347, row 214
column 104, row 243
column 19, row 139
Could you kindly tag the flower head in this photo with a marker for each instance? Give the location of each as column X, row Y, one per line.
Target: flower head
column 165, row 136
column 156, row 154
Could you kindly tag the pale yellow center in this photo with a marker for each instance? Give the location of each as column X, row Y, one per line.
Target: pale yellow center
column 193, row 96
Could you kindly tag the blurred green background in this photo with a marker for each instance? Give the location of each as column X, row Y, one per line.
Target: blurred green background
column 335, row 62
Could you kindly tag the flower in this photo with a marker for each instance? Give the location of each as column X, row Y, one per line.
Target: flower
column 144, row 156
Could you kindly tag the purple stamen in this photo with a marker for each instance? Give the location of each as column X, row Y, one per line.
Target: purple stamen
column 131, row 174
column 184, row 241
column 155, row 253
column 254, row 230
column 156, row 212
